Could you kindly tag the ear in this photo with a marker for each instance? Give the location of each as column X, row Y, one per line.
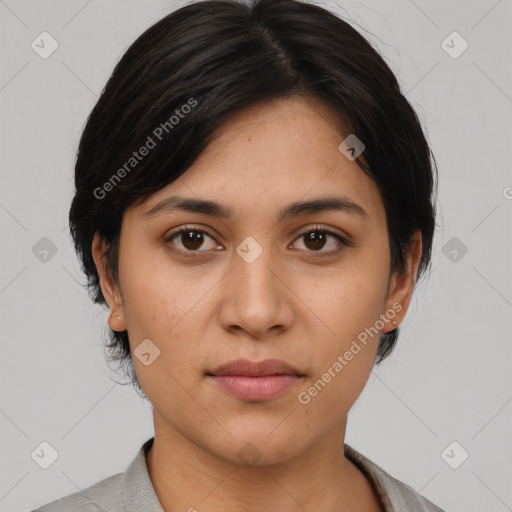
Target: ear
column 402, row 284
column 108, row 286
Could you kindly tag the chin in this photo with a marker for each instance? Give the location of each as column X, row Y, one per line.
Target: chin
column 256, row 447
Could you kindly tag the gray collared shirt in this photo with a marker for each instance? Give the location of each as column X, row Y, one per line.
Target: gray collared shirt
column 132, row 491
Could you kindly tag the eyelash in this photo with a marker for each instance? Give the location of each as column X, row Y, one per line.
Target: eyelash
column 313, row 229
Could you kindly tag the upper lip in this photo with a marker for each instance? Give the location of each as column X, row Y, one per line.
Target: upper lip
column 250, row 368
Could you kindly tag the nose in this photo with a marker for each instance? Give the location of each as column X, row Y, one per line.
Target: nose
column 257, row 298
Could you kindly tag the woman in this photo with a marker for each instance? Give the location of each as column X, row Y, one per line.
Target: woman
column 254, row 203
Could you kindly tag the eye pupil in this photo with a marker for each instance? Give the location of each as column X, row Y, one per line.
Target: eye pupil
column 316, row 238
column 195, row 238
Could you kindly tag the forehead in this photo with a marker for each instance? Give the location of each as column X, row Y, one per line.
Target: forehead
column 274, row 153
column 302, row 125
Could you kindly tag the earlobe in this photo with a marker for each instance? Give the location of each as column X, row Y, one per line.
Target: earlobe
column 402, row 284
column 116, row 322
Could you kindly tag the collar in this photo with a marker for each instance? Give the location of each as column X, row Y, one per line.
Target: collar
column 392, row 494
column 139, row 493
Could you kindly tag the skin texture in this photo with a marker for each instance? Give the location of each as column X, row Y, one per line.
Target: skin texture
column 292, row 303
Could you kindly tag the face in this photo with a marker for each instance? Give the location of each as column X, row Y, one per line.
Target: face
column 311, row 288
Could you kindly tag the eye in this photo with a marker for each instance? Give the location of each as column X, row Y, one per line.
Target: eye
column 191, row 239
column 317, row 237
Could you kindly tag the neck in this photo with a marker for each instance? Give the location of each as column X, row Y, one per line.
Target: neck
column 192, row 478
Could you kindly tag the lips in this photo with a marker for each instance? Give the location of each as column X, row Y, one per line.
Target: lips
column 247, row 368
column 255, row 381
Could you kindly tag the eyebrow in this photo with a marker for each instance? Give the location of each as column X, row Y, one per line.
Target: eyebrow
column 176, row 203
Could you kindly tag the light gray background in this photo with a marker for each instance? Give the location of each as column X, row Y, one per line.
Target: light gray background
column 449, row 378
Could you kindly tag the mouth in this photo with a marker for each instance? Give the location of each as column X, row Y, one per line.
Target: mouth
column 255, row 381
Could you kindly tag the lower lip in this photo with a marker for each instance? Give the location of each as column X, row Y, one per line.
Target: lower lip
column 255, row 389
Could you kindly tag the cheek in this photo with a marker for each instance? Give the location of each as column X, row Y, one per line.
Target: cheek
column 157, row 308
column 345, row 358
column 167, row 305
column 351, row 298
column 349, row 307
column 156, row 295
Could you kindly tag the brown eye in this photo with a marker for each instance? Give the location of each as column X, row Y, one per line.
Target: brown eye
column 317, row 239
column 191, row 240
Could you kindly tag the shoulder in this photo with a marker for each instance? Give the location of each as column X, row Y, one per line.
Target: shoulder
column 394, row 494
column 402, row 494
column 131, row 490
column 104, row 495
